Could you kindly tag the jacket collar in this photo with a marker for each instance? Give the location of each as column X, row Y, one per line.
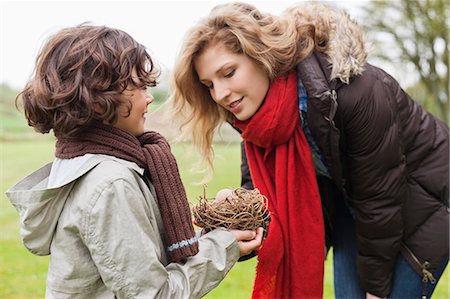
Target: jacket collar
column 315, row 73
column 65, row 171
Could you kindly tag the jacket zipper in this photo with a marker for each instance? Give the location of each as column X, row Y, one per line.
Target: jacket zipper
column 427, row 276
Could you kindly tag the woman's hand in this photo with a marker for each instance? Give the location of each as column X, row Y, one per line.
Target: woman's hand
column 370, row 296
column 248, row 240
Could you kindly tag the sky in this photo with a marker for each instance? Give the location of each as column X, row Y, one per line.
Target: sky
column 158, row 25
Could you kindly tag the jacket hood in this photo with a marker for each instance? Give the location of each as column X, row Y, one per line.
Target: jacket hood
column 39, row 209
column 346, row 51
column 40, row 205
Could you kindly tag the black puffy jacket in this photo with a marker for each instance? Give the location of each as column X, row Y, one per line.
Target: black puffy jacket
column 389, row 158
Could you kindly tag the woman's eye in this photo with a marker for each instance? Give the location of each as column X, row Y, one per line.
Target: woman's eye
column 229, row 74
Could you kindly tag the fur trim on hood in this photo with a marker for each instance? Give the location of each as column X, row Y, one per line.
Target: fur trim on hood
column 345, row 50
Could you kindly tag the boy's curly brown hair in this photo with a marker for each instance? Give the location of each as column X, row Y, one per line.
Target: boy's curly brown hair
column 79, row 76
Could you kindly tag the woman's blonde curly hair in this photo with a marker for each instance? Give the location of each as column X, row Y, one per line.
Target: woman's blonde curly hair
column 276, row 43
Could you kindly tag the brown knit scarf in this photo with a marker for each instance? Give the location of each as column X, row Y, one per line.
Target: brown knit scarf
column 150, row 151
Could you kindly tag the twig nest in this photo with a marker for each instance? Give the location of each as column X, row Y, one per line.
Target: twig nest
column 239, row 209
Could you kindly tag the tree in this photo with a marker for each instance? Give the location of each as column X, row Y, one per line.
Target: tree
column 414, row 33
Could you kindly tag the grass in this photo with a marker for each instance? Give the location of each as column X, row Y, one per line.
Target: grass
column 22, row 275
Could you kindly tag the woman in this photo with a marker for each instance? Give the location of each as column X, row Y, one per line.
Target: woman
column 380, row 159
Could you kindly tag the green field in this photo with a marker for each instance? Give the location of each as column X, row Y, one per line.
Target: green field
column 22, row 275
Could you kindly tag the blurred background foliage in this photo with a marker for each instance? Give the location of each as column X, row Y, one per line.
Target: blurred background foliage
column 413, row 35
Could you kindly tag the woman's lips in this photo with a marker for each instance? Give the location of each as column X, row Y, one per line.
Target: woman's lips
column 235, row 106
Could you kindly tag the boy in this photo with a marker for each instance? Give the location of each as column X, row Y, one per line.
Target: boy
column 111, row 209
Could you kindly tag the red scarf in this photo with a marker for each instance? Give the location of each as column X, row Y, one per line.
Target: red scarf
column 291, row 260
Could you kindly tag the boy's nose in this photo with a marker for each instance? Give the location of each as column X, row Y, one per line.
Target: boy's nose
column 150, row 98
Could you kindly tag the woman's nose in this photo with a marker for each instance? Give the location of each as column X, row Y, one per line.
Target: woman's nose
column 221, row 92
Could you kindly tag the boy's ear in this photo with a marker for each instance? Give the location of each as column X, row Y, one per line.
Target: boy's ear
column 98, row 108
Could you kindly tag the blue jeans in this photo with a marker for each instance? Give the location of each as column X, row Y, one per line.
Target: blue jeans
column 406, row 282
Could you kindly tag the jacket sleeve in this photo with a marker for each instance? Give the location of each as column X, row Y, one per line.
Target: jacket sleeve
column 120, row 232
column 376, row 166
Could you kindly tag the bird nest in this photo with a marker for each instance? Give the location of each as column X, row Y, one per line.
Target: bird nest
column 239, row 209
